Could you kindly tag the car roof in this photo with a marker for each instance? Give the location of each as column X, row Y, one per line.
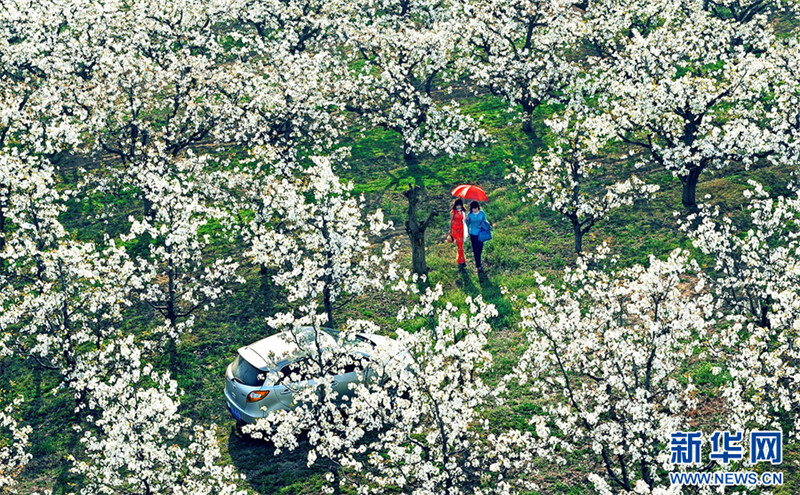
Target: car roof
column 269, row 352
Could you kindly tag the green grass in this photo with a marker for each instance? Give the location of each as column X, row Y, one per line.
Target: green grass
column 527, row 239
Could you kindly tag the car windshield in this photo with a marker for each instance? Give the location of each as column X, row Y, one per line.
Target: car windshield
column 309, row 335
column 246, row 373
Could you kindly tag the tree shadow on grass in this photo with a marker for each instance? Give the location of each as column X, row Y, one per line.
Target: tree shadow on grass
column 285, row 473
column 465, row 283
column 493, row 294
column 490, row 292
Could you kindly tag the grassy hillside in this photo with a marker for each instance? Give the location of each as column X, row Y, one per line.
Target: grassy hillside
column 527, row 239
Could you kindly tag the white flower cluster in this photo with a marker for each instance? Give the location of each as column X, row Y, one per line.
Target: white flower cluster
column 758, row 281
column 182, row 273
column 134, row 439
column 564, row 176
column 691, row 85
column 148, row 95
column 606, row 356
column 519, row 50
column 313, row 231
column 404, row 49
column 13, row 447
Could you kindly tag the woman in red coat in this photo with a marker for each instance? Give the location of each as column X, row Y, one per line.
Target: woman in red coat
column 458, row 231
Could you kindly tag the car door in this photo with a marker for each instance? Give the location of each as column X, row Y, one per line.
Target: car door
column 292, row 376
column 353, row 372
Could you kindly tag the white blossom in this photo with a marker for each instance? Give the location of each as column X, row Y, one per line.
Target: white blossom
column 14, row 443
column 757, row 275
column 606, row 354
column 564, row 177
column 136, row 441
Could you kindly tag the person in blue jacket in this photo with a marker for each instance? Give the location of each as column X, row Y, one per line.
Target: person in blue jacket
column 475, row 219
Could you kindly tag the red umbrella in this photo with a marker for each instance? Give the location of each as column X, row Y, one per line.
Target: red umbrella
column 468, row 191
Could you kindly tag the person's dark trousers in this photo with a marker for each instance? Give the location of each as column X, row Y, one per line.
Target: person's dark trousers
column 477, row 249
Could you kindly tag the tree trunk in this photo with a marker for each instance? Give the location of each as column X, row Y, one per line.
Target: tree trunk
column 416, row 230
column 326, row 299
column 690, row 187
column 172, row 314
column 2, row 239
column 764, row 316
column 326, row 289
column 576, row 228
column 149, row 213
column 265, row 284
column 337, row 481
column 419, row 263
column 528, row 108
column 527, row 125
column 262, row 303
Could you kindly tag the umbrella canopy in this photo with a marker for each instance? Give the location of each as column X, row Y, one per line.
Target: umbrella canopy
column 468, row 191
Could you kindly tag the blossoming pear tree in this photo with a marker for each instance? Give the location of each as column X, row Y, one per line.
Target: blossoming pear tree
column 319, row 239
column 14, row 444
column 289, row 70
column 286, row 101
column 38, row 57
column 519, row 50
column 60, row 297
column 692, row 91
column 607, row 27
column 565, row 176
column 749, row 10
column 785, row 119
column 291, row 27
column 607, row 350
column 157, row 88
column 75, row 303
column 29, row 208
column 187, row 220
column 404, row 49
column 757, row 275
column 133, row 438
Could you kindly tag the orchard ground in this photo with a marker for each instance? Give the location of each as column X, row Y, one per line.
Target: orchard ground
column 527, row 239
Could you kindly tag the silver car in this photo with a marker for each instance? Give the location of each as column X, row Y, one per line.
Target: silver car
column 264, row 374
